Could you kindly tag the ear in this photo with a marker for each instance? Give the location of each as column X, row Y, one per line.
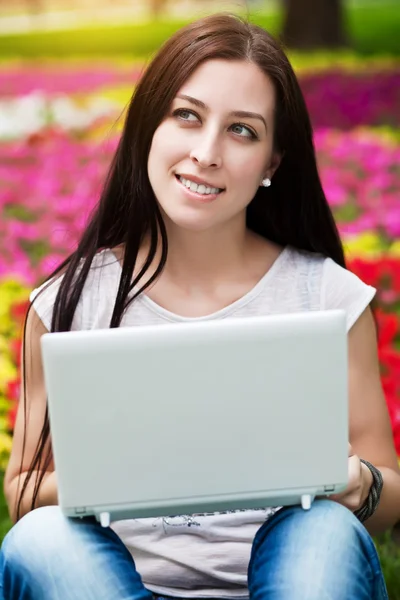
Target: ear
column 274, row 164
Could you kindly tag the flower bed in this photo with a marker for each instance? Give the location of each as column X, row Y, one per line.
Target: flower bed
column 44, row 201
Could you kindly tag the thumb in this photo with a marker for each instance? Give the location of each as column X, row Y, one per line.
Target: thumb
column 351, row 451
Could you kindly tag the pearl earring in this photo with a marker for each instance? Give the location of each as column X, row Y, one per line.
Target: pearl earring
column 266, row 182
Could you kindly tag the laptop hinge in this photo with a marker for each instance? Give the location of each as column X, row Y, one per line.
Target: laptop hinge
column 329, row 488
column 81, row 510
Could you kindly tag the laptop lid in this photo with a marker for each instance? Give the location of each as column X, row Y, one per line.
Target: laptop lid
column 199, row 416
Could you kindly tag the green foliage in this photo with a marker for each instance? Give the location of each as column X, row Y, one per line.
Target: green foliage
column 373, row 29
column 389, row 554
column 5, row 521
column 129, row 39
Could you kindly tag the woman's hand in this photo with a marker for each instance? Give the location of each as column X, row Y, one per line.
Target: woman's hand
column 360, row 481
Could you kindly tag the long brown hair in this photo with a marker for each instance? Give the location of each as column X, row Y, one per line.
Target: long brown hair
column 293, row 211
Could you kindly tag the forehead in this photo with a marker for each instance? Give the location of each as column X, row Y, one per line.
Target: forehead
column 231, row 86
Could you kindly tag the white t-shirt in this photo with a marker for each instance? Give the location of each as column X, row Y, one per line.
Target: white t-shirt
column 207, row 555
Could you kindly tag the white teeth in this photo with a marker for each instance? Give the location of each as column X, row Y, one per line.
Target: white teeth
column 199, row 188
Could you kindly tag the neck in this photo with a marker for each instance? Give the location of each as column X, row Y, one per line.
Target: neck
column 207, row 256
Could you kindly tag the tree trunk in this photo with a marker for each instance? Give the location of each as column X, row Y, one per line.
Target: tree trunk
column 157, row 7
column 313, row 24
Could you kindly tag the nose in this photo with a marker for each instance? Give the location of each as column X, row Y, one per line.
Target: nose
column 207, row 153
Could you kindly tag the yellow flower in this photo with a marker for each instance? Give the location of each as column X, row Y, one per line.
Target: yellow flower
column 366, row 244
column 345, row 61
column 394, row 249
column 8, row 371
column 5, row 449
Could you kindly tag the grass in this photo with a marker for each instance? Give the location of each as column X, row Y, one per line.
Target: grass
column 389, row 554
column 5, row 522
column 373, row 29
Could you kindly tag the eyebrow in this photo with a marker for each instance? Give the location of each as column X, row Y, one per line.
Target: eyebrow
column 241, row 114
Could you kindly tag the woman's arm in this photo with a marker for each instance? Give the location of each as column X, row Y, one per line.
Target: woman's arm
column 28, row 427
column 371, row 435
column 47, row 495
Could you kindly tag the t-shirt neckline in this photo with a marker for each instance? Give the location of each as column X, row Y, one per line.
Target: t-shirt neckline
column 221, row 313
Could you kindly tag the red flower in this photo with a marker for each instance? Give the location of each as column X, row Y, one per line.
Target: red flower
column 19, row 310
column 390, row 270
column 12, row 416
column 15, row 348
column 390, row 359
column 378, row 272
column 367, row 270
column 13, row 389
column 12, row 393
column 388, row 327
column 394, row 413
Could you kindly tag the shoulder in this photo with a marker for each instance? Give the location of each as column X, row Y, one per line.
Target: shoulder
column 102, row 279
column 304, row 267
column 342, row 289
column 335, row 286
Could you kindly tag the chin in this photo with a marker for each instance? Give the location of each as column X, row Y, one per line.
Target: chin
column 187, row 223
column 187, row 219
column 192, row 225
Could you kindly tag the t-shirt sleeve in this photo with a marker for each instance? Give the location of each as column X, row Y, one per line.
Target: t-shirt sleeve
column 94, row 304
column 43, row 299
column 342, row 289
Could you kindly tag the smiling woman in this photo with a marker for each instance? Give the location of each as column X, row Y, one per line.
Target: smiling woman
column 212, row 149
column 219, row 160
column 213, row 208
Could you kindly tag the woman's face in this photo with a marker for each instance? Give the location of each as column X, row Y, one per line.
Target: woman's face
column 213, row 148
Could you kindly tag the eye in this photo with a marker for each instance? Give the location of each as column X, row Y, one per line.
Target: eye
column 244, row 131
column 185, row 115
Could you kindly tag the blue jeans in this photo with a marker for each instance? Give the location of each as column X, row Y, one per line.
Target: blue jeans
column 322, row 554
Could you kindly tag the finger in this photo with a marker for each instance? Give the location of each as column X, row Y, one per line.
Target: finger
column 354, row 472
column 350, row 497
column 353, row 482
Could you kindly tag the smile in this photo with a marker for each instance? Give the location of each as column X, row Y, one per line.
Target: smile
column 199, row 188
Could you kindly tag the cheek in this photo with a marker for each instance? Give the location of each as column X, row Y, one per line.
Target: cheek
column 249, row 168
column 166, row 145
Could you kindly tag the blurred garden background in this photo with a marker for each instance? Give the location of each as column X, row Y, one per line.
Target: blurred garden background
column 67, row 71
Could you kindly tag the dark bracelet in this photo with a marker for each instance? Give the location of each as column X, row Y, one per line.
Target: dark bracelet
column 374, row 496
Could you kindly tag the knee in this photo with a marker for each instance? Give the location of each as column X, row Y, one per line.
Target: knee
column 328, row 525
column 312, row 551
column 332, row 528
column 38, row 539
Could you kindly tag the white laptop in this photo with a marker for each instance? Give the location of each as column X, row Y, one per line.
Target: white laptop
column 198, row 417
